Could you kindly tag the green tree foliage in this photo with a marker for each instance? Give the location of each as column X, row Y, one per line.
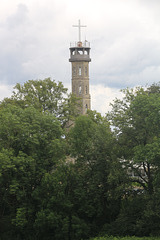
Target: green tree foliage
column 101, row 175
column 136, row 119
column 136, row 123
column 70, row 186
column 58, row 216
column 45, row 95
column 125, row 238
column 42, row 197
column 31, row 145
column 81, row 197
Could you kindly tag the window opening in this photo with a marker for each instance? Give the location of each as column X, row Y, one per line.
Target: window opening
column 80, row 52
column 74, row 71
column 86, row 90
column 86, row 107
column 80, row 71
column 86, row 71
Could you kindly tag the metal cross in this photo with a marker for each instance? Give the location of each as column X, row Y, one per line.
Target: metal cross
column 79, row 26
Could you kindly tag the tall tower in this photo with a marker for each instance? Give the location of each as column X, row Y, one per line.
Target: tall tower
column 80, row 58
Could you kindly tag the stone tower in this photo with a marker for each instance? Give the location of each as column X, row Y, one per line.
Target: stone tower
column 80, row 58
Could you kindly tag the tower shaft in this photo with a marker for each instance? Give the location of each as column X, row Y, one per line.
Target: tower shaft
column 80, row 58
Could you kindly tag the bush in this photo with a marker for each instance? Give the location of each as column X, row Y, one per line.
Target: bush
column 125, row 238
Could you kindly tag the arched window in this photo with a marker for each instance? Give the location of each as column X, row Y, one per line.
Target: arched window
column 80, row 89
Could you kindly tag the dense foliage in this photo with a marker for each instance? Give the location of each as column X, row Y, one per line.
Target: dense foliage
column 46, row 96
column 126, row 238
column 99, row 177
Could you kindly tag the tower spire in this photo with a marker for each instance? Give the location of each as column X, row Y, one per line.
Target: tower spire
column 79, row 28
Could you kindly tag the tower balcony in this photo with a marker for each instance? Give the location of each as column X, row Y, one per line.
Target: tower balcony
column 80, row 52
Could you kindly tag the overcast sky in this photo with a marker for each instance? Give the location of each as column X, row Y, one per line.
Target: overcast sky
column 35, row 36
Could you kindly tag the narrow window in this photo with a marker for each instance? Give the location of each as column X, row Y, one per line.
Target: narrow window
column 74, row 71
column 80, row 71
column 86, row 107
column 86, row 90
column 86, row 71
column 80, row 89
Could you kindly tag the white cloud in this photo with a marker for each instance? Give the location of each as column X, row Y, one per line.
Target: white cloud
column 5, row 91
column 101, row 97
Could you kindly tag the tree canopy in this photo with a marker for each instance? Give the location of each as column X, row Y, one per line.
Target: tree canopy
column 137, row 126
column 31, row 145
column 79, row 183
column 46, row 96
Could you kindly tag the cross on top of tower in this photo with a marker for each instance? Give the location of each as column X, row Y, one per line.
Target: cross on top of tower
column 79, row 26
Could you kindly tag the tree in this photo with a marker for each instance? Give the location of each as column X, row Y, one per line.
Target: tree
column 46, row 96
column 136, row 122
column 101, row 178
column 31, row 145
column 58, row 215
column 81, row 197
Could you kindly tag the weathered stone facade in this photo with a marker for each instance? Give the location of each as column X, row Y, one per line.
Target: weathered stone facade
column 80, row 58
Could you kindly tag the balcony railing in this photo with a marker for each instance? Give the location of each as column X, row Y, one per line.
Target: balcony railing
column 80, row 44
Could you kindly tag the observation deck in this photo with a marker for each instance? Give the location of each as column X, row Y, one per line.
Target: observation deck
column 80, row 44
column 80, row 52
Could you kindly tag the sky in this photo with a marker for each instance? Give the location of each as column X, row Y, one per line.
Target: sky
column 124, row 36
